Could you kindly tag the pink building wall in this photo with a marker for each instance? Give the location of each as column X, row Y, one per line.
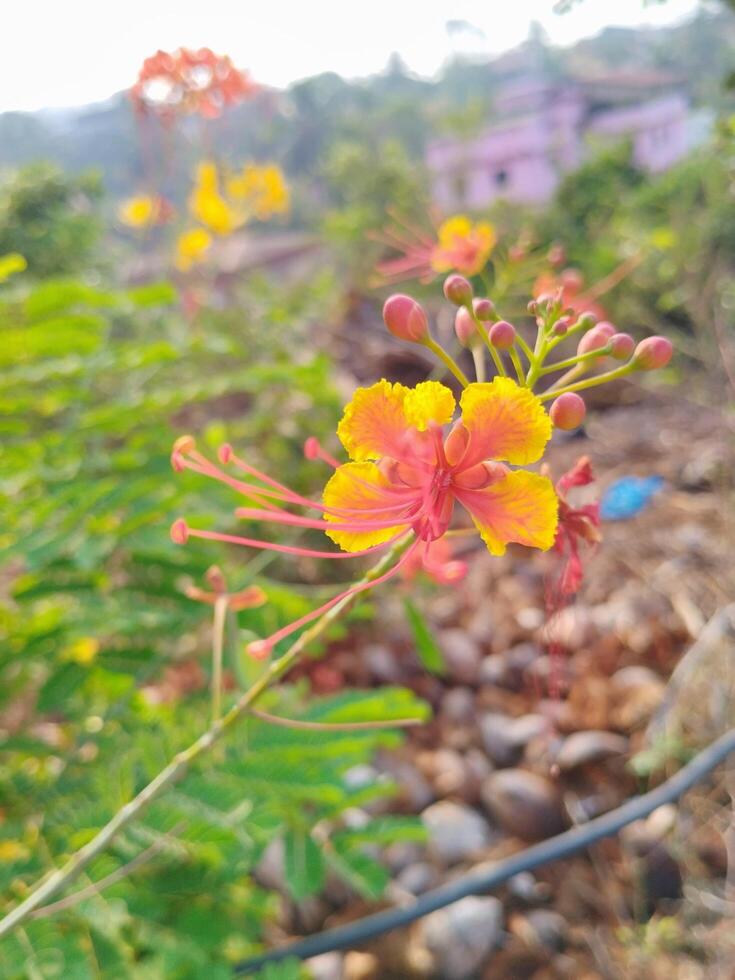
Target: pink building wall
column 658, row 129
column 523, row 160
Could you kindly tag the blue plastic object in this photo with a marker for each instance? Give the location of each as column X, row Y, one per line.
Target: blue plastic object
column 628, row 496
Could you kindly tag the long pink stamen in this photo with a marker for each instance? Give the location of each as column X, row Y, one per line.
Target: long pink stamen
column 419, row 234
column 200, row 464
column 294, row 520
column 313, row 449
column 299, row 500
column 286, row 548
column 261, row 648
column 438, row 438
column 206, row 468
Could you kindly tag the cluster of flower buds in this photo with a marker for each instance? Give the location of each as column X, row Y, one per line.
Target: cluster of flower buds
column 479, row 326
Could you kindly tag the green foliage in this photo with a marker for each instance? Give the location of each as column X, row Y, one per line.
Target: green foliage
column 589, row 198
column 366, row 183
column 679, row 226
column 103, row 659
column 49, row 219
column 428, row 650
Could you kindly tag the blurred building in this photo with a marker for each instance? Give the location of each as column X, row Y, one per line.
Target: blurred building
column 543, row 129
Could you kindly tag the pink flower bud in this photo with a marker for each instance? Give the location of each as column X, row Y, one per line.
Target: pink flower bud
column 182, row 446
column 179, row 532
column 465, row 327
column 311, row 448
column 502, row 335
column 597, row 338
column 457, row 290
column 621, row 346
column 452, row 572
column 557, row 255
column 652, row 353
column 562, row 325
column 484, row 308
column 405, row 318
column 587, row 320
column 224, row 453
column 532, row 307
column 568, row 411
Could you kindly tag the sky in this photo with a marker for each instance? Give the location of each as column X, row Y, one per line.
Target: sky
column 56, row 53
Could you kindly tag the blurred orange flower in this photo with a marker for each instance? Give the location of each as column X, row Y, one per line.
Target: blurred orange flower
column 189, row 82
column 571, row 284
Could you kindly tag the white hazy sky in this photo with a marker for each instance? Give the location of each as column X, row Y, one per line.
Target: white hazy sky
column 69, row 52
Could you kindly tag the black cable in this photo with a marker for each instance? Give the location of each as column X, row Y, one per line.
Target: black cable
column 561, row 846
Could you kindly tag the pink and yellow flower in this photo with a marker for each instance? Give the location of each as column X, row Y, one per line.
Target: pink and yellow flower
column 458, row 245
column 410, row 464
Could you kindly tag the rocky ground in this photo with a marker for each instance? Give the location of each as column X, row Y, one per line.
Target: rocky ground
column 525, row 743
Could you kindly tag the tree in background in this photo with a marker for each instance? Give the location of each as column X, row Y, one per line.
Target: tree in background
column 50, row 218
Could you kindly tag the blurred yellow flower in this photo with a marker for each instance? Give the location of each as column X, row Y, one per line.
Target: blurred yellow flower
column 663, row 238
column 12, row 850
column 138, row 212
column 10, row 264
column 191, row 247
column 263, row 190
column 207, row 204
column 82, row 651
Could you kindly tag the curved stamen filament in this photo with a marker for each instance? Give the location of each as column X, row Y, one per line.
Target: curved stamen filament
column 200, row 464
column 294, row 520
column 256, row 493
column 261, row 648
column 297, row 498
column 286, row 548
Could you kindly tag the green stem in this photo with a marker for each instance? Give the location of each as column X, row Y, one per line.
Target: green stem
column 482, row 333
column 575, row 328
column 181, row 762
column 598, row 379
column 576, row 372
column 517, row 365
column 479, row 358
column 537, row 357
column 334, row 726
column 571, row 361
column 525, row 348
column 449, row 361
column 218, row 633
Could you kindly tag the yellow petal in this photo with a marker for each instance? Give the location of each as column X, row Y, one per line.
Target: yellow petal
column 374, row 423
column 428, row 402
column 458, row 226
column 521, row 508
column 504, row 422
column 359, row 487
